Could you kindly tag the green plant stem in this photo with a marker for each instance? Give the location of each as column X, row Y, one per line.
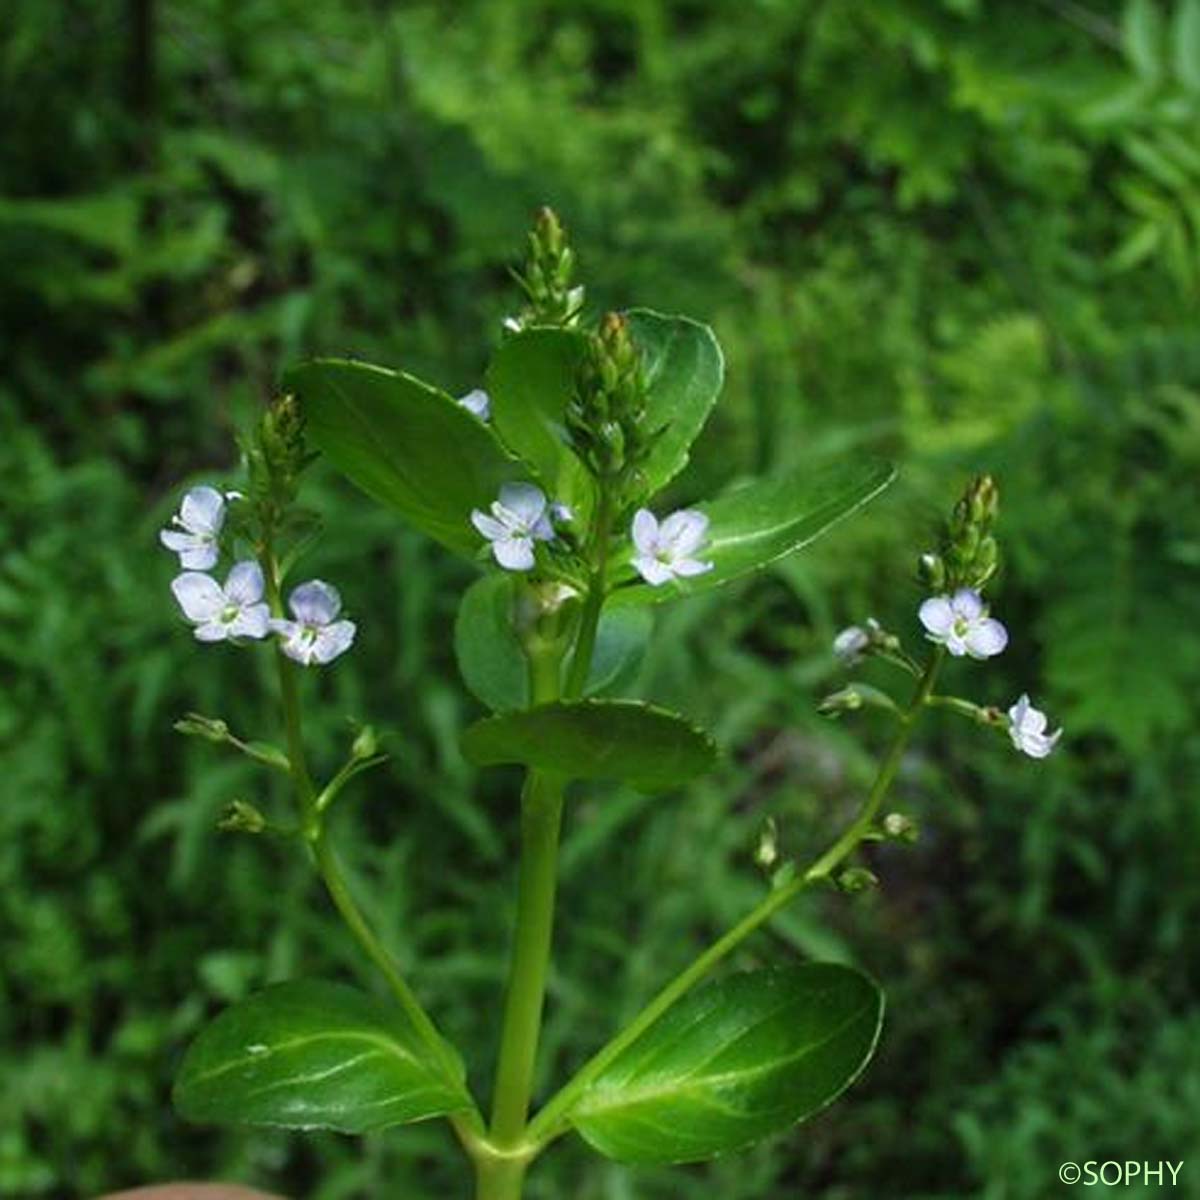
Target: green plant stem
column 549, row 1123
column 498, row 1178
column 541, row 819
column 589, row 620
column 313, row 831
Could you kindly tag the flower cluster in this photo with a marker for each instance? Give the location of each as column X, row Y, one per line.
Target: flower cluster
column 522, row 516
column 236, row 611
column 956, row 618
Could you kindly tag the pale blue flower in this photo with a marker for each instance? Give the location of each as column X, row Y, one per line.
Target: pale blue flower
column 1027, row 728
column 224, row 613
column 316, row 635
column 478, row 403
column 667, row 551
column 197, row 529
column 961, row 624
column 519, row 518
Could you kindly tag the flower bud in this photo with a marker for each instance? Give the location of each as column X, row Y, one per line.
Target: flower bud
column 766, row 853
column 546, row 278
column 931, row 571
column 900, row 827
column 365, row 744
column 847, row 699
column 857, row 879
column 241, row 817
column 211, row 729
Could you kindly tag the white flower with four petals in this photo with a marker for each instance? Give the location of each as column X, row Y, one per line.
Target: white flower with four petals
column 961, row 624
column 520, row 517
column 1027, row 728
column 667, row 551
column 223, row 613
column 199, row 522
column 316, row 635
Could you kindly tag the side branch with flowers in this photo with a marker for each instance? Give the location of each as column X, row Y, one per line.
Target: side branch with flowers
column 546, row 477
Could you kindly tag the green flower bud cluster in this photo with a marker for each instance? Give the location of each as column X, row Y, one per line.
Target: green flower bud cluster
column 276, row 455
column 606, row 418
column 546, row 279
column 968, row 556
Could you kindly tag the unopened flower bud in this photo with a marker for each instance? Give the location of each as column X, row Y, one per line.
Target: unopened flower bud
column 900, row 827
column 857, row 879
column 766, row 853
column 211, row 729
column 365, row 744
column 847, row 699
column 241, row 817
column 931, row 571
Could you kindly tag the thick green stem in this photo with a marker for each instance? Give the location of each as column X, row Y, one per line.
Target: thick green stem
column 499, row 1178
column 549, row 1123
column 541, row 818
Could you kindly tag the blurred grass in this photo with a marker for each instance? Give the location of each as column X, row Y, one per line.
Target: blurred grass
column 960, row 233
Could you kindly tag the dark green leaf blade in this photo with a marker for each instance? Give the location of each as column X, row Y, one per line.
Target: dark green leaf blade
column 309, row 1054
column 753, row 526
column 530, row 381
column 405, row 444
column 650, row 748
column 684, row 373
column 494, row 667
column 732, row 1063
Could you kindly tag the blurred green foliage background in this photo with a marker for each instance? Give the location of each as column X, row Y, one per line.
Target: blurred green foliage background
column 963, row 233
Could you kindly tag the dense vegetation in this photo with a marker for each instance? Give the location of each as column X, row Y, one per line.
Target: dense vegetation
column 962, row 233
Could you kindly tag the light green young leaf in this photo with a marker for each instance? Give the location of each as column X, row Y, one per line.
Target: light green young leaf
column 405, row 444
column 761, row 522
column 314, row 1055
column 732, row 1063
column 650, row 748
column 494, row 667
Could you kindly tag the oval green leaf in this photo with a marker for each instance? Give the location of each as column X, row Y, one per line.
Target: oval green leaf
column 732, row 1063
column 751, row 527
column 405, row 444
column 494, row 667
column 684, row 374
column 530, row 382
column 650, row 748
column 314, row 1055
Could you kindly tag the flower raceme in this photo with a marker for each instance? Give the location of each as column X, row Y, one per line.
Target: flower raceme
column 224, row 613
column 666, row 550
column 197, row 527
column 1027, row 728
column 961, row 623
column 519, row 518
column 316, row 635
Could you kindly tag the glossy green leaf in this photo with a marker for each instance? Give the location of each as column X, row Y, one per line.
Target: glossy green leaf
column 532, row 379
column 493, row 665
column 406, row 444
column 530, row 382
column 761, row 522
column 732, row 1063
column 684, row 373
column 314, row 1055
column 596, row 739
